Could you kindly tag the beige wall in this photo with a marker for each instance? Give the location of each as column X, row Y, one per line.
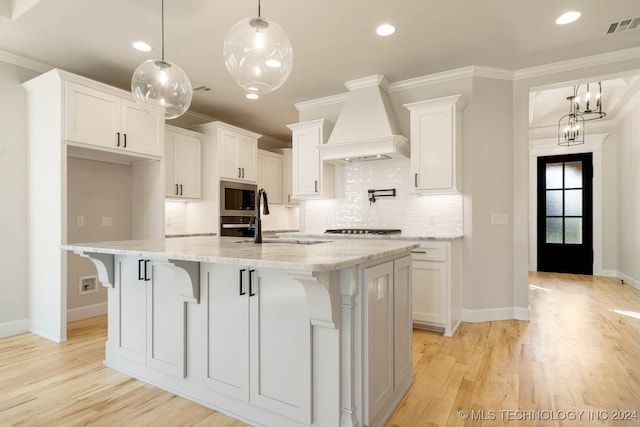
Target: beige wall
column 13, row 200
column 94, row 190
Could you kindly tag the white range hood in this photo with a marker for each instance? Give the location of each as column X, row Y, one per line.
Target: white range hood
column 367, row 128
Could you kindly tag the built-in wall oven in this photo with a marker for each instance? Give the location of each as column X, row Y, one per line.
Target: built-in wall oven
column 237, row 206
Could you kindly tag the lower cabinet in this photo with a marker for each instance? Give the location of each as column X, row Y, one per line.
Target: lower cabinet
column 150, row 320
column 437, row 286
column 387, row 337
column 253, row 315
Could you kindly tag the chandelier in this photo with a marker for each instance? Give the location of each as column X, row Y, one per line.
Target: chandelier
column 161, row 87
column 584, row 105
column 258, row 55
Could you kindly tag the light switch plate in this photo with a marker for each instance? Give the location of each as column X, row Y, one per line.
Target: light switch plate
column 107, row 221
column 80, row 221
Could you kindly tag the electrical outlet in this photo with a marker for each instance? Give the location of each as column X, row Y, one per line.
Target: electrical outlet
column 80, row 221
column 499, row 219
column 107, row 221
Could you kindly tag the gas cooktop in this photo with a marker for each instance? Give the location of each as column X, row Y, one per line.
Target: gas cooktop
column 363, row 231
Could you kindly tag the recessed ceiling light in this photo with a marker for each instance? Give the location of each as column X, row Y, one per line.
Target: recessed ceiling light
column 567, row 18
column 142, row 46
column 252, row 96
column 385, row 30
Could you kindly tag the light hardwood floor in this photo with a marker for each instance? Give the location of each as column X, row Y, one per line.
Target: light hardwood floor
column 580, row 352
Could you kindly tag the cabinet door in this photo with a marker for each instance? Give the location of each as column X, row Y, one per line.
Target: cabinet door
column 402, row 320
column 270, row 175
column 229, row 162
column 248, row 155
column 92, row 116
column 187, row 166
column 379, row 367
column 171, row 188
column 429, row 299
column 280, row 340
column 141, row 131
column 227, row 337
column 166, row 321
column 306, row 162
column 432, row 163
column 131, row 300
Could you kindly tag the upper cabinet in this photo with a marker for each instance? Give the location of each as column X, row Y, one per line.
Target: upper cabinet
column 182, row 160
column 115, row 123
column 435, row 144
column 270, row 168
column 287, row 176
column 311, row 178
column 236, row 151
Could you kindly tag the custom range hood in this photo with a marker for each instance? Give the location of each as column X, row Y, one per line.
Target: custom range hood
column 367, row 128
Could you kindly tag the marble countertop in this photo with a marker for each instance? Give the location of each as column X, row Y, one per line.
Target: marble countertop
column 285, row 253
column 400, row 236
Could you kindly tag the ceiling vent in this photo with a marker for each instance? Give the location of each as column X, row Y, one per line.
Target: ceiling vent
column 624, row 25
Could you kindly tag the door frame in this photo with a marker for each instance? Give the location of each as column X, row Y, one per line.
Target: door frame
column 549, row 147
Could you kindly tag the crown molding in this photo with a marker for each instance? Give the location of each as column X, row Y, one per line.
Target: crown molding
column 577, row 63
column 21, row 61
column 321, row 102
column 375, row 80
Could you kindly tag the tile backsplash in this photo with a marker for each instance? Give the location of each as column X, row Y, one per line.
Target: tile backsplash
column 415, row 215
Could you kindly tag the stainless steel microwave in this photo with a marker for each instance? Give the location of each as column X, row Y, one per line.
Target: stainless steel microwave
column 237, row 198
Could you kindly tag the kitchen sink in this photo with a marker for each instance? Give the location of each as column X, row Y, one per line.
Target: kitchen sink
column 289, row 241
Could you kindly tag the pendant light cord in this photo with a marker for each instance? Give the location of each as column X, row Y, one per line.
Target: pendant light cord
column 162, row 11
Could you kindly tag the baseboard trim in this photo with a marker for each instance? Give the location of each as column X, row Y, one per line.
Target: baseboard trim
column 493, row 314
column 86, row 312
column 629, row 280
column 14, row 327
column 606, row 273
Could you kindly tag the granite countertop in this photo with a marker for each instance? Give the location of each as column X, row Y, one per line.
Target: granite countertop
column 285, row 253
column 400, row 236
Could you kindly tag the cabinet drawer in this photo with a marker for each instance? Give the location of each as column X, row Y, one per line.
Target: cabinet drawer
column 429, row 252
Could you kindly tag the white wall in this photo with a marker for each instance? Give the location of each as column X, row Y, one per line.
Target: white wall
column 628, row 141
column 94, row 190
column 13, row 200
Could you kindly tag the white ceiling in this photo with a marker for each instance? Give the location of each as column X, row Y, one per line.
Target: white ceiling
column 333, row 40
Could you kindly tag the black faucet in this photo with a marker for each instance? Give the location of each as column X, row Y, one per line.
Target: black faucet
column 257, row 222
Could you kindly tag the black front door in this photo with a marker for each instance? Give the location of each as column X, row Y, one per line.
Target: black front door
column 565, row 214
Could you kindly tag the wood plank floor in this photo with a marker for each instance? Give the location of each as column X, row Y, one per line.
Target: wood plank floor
column 580, row 352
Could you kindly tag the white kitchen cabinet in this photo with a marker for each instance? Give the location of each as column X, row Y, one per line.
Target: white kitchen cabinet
column 238, row 155
column 270, row 175
column 311, row 178
column 183, row 176
column 436, row 286
column 435, row 145
column 287, row 176
column 253, row 315
column 115, row 123
column 149, row 315
column 388, row 340
column 50, row 201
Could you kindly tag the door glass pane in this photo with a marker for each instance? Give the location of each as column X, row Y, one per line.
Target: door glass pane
column 554, row 203
column 554, row 175
column 554, row 230
column 573, row 175
column 573, row 230
column 573, row 203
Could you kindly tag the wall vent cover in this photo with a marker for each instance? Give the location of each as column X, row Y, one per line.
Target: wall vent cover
column 624, row 25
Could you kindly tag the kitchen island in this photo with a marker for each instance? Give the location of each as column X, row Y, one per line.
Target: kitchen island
column 285, row 333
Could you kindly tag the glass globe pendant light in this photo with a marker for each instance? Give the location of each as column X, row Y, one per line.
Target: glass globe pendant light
column 161, row 87
column 258, row 54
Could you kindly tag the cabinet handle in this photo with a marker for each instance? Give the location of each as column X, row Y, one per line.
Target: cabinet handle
column 315, row 186
column 118, row 143
column 125, row 140
column 181, row 189
column 418, row 252
column 251, row 292
column 288, row 198
column 415, row 180
column 243, row 172
column 140, row 277
column 242, row 291
column 177, row 192
column 146, row 277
